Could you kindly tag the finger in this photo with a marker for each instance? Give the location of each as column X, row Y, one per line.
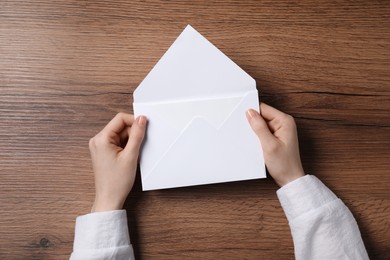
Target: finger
column 270, row 113
column 119, row 122
column 136, row 137
column 260, row 127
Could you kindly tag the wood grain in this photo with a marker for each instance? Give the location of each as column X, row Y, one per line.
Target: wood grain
column 66, row 67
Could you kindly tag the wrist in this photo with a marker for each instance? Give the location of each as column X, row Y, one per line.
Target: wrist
column 290, row 178
column 102, row 205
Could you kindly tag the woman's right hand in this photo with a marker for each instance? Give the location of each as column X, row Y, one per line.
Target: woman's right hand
column 278, row 137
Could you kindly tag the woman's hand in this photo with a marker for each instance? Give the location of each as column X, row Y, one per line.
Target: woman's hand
column 114, row 153
column 278, row 136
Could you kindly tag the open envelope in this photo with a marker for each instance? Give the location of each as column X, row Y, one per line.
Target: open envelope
column 195, row 100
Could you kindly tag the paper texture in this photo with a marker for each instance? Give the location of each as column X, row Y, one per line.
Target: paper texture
column 195, row 100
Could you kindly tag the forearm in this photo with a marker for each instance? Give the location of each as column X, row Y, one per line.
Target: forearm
column 322, row 226
column 102, row 235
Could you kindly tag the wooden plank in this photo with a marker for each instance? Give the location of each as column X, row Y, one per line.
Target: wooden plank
column 66, row 67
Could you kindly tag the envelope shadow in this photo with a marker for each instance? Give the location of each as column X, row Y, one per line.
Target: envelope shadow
column 265, row 188
column 131, row 205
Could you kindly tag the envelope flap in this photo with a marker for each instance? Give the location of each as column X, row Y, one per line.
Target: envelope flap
column 193, row 67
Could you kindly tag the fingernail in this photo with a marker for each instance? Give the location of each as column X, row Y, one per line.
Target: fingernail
column 251, row 113
column 141, row 121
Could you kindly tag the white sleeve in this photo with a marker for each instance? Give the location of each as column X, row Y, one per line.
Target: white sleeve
column 102, row 235
column 322, row 227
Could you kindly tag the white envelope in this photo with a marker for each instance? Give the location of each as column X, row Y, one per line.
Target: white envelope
column 195, row 100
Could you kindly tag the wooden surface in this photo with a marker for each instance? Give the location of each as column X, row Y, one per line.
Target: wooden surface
column 67, row 67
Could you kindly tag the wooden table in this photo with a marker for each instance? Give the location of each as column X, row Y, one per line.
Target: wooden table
column 67, row 67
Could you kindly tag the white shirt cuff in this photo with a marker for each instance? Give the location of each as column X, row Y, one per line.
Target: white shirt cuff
column 101, row 230
column 303, row 195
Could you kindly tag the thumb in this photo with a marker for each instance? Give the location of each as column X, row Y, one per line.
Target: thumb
column 136, row 136
column 260, row 127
